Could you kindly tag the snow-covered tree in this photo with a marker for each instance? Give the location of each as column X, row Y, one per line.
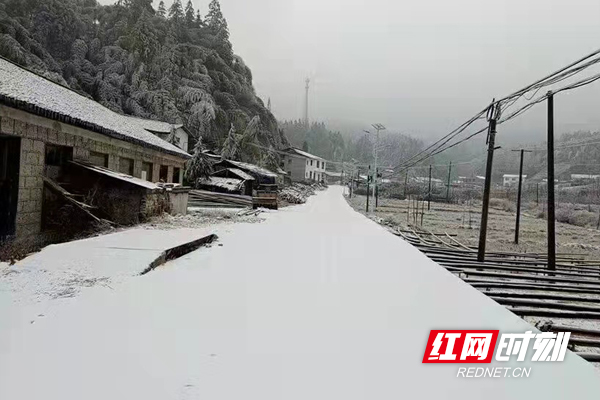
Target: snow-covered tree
column 176, row 11
column 189, row 14
column 162, row 11
column 230, row 146
column 200, row 165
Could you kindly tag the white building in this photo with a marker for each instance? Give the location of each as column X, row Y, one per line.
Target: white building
column 584, row 177
column 510, row 180
column 303, row 166
column 165, row 131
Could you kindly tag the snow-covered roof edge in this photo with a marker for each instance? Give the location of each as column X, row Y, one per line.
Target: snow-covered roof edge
column 30, row 92
column 303, row 153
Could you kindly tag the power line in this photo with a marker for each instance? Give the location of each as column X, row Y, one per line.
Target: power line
column 558, row 76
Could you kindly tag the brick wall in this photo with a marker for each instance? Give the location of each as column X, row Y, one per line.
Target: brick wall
column 36, row 131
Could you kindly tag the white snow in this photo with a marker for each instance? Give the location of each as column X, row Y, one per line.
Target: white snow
column 231, row 184
column 317, row 302
column 304, row 153
column 21, row 85
column 253, row 168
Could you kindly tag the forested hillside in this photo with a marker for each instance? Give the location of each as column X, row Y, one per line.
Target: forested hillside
column 174, row 64
column 319, row 140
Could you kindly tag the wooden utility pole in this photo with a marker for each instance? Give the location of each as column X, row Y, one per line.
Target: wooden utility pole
column 492, row 115
column 405, row 182
column 448, row 187
column 429, row 194
column 519, row 195
column 551, row 214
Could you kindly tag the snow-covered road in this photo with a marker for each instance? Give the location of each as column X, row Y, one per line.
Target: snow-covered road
column 317, row 302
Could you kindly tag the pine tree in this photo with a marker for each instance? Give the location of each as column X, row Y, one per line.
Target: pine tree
column 176, row 11
column 162, row 11
column 200, row 165
column 144, row 39
column 269, row 104
column 215, row 20
column 189, row 13
column 230, row 146
column 199, row 21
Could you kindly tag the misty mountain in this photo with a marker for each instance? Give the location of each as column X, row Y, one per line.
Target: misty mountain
column 173, row 64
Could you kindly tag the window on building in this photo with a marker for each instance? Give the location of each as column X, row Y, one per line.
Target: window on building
column 176, row 175
column 99, row 159
column 147, row 171
column 163, row 173
column 318, row 166
column 311, row 162
column 311, row 174
column 306, row 162
column 126, row 166
column 58, row 155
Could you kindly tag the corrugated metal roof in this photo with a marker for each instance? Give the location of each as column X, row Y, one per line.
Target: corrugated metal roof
column 241, row 174
column 117, row 175
column 22, row 89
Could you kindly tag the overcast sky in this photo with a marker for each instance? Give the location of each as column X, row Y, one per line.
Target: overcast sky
column 419, row 66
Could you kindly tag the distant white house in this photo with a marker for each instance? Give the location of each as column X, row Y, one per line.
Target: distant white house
column 584, row 177
column 510, row 179
column 425, row 180
column 303, row 166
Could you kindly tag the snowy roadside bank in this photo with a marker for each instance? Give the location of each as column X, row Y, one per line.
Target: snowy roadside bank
column 58, row 273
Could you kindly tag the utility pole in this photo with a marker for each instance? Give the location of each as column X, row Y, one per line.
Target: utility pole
column 378, row 127
column 551, row 216
column 492, row 115
column 306, row 105
column 448, row 188
column 405, row 182
column 519, row 195
column 368, row 179
column 429, row 193
column 376, row 190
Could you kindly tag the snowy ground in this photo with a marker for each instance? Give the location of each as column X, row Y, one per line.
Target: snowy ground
column 316, row 302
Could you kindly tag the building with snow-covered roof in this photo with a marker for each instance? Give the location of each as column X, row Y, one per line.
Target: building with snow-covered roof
column 46, row 127
column 173, row 133
column 302, row 166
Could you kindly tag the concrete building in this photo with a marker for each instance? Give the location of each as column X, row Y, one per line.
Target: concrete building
column 46, row 128
column 302, row 166
column 510, row 180
column 174, row 133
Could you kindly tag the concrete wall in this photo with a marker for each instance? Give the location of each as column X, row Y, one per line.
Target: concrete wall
column 295, row 166
column 300, row 168
column 179, row 201
column 36, row 131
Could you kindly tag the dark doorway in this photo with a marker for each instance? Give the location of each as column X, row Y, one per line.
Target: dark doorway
column 163, row 173
column 176, row 173
column 10, row 154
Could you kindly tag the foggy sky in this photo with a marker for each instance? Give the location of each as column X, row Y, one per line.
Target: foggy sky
column 420, row 66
